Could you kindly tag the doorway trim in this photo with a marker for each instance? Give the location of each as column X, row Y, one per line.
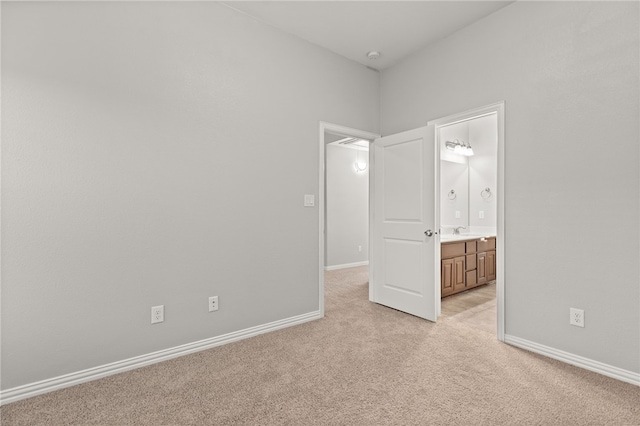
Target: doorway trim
column 499, row 109
column 335, row 129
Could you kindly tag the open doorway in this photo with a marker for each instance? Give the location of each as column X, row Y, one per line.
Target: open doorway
column 468, row 223
column 470, row 147
column 344, row 201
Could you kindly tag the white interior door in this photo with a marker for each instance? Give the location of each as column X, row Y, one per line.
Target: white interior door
column 403, row 252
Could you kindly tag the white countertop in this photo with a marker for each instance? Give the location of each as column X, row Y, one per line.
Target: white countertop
column 450, row 237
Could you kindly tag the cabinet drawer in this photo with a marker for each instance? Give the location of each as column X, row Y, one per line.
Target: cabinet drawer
column 488, row 244
column 471, row 262
column 471, row 278
column 471, row 246
column 452, row 250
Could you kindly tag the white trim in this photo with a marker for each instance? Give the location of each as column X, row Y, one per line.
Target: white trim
column 60, row 382
column 499, row 109
column 438, row 226
column 342, row 131
column 346, row 265
column 578, row 361
column 372, row 200
column 500, row 225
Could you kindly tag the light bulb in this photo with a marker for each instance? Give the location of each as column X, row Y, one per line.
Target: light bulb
column 361, row 166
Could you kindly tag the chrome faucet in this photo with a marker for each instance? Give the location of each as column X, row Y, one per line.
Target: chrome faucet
column 456, row 231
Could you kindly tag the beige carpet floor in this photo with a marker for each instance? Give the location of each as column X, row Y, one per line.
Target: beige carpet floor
column 363, row 364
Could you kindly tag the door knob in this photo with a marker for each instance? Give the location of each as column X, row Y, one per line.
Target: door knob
column 429, row 233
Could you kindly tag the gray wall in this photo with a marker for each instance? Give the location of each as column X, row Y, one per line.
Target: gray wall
column 144, row 163
column 347, row 207
column 568, row 72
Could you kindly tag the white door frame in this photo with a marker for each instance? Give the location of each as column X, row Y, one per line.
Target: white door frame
column 498, row 109
column 346, row 132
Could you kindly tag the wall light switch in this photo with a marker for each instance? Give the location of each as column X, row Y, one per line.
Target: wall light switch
column 481, row 214
column 309, row 200
column 457, row 214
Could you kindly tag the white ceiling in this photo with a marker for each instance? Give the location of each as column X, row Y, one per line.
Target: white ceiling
column 352, row 28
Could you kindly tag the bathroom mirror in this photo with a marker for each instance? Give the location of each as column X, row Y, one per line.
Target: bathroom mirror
column 454, row 194
column 468, row 183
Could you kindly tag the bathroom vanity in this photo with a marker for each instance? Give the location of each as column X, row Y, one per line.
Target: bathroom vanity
column 466, row 262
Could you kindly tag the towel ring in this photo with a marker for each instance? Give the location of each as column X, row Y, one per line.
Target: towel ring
column 452, row 195
column 486, row 193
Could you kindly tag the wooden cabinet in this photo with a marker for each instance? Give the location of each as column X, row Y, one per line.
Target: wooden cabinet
column 453, row 275
column 482, row 268
column 491, row 265
column 446, row 277
column 458, row 274
column 471, row 276
column 467, row 264
column 486, row 260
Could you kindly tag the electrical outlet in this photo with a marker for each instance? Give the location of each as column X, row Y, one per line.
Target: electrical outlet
column 157, row 314
column 576, row 317
column 213, row 303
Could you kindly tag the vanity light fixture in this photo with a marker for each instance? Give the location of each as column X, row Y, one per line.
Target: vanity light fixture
column 458, row 147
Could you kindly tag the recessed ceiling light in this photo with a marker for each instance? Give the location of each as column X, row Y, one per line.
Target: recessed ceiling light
column 374, row 54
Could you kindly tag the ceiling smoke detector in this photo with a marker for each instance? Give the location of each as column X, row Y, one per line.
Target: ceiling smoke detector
column 374, row 54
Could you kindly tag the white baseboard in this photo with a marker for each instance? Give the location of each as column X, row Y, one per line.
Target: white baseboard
column 60, row 382
column 346, row 265
column 578, row 361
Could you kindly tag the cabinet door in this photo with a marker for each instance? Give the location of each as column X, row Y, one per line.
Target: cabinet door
column 447, row 277
column 482, row 268
column 491, row 265
column 459, row 273
column 472, row 279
